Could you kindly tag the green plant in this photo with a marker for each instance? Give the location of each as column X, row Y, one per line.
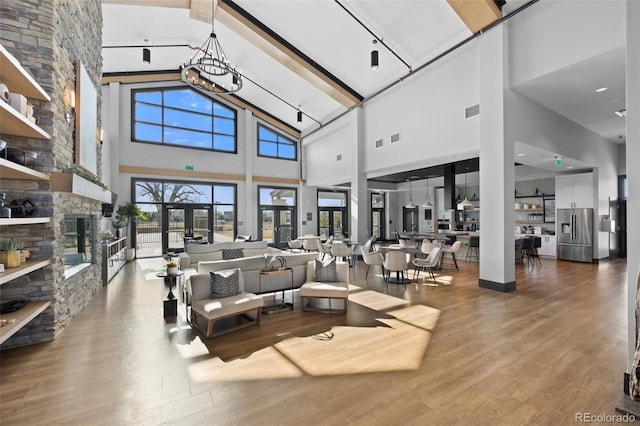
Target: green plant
column 126, row 214
column 11, row 245
column 87, row 176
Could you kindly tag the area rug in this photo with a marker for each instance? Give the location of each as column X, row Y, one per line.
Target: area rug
column 364, row 346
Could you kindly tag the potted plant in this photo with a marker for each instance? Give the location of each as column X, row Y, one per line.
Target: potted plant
column 172, row 267
column 125, row 215
column 10, row 252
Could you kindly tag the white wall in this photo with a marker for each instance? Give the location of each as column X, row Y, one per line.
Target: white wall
column 427, row 110
column 547, row 36
column 321, row 166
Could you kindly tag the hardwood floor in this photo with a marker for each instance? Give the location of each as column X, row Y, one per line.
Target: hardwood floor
column 453, row 354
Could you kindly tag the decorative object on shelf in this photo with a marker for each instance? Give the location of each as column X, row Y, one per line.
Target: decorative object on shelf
column 18, row 102
column 10, row 252
column 22, row 208
column 277, row 263
column 209, row 70
column 21, row 156
column 24, row 255
column 12, row 306
column 4, row 93
column 5, row 212
column 172, row 267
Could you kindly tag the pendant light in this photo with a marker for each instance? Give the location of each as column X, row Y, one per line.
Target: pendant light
column 427, row 202
column 465, row 202
column 410, row 205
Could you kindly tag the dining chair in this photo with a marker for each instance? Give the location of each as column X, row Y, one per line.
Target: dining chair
column 396, row 261
column 370, row 257
column 452, row 250
column 429, row 264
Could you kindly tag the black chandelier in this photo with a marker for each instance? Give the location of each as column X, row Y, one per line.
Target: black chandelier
column 209, row 69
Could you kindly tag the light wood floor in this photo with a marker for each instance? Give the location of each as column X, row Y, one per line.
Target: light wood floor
column 455, row 354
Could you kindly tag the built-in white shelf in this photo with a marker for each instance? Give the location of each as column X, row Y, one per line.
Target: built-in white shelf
column 24, row 220
column 24, row 269
column 11, row 170
column 16, row 124
column 21, row 318
column 17, row 79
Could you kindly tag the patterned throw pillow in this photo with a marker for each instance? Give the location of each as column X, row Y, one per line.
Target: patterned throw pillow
column 326, row 272
column 225, row 283
column 229, row 254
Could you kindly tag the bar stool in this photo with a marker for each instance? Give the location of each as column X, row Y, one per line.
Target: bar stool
column 474, row 248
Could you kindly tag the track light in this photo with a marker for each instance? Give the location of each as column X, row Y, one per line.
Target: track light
column 146, row 55
column 374, row 57
column 299, row 115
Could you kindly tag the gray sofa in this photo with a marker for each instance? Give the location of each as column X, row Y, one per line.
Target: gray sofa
column 195, row 253
column 251, row 267
column 209, row 257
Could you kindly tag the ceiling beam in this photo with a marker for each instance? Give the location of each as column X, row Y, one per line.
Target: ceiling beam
column 246, row 26
column 258, row 35
column 176, row 4
column 476, row 14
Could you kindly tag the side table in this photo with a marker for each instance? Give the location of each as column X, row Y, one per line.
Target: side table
column 282, row 306
column 170, row 303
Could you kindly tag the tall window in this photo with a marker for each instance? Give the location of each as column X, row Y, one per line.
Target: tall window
column 182, row 117
column 272, row 144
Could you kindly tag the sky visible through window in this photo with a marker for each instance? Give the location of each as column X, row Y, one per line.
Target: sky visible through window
column 272, row 144
column 183, row 117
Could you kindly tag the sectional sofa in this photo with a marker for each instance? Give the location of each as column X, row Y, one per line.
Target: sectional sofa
column 211, row 257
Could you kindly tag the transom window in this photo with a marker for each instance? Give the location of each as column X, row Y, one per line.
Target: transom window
column 182, row 117
column 275, row 145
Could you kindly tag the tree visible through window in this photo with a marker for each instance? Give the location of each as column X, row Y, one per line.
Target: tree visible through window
column 182, row 117
column 272, row 144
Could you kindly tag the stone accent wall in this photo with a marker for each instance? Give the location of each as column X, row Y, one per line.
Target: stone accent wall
column 47, row 37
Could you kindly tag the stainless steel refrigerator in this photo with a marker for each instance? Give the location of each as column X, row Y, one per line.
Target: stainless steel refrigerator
column 574, row 234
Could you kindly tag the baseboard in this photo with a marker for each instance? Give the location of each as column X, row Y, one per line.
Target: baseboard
column 629, row 407
column 492, row 285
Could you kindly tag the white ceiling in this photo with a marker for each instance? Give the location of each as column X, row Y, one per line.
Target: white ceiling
column 417, row 30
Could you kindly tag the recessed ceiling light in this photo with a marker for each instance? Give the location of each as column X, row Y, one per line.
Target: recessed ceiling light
column 569, row 167
column 602, row 89
column 521, row 155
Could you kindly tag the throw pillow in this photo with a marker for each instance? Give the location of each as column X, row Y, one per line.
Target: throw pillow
column 225, row 283
column 326, row 271
column 229, row 254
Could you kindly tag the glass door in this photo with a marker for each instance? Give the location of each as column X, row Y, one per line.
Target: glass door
column 276, row 225
column 377, row 216
column 330, row 222
column 186, row 221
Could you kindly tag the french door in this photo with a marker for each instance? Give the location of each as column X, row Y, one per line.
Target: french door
column 377, row 216
column 331, row 222
column 276, row 225
column 186, row 220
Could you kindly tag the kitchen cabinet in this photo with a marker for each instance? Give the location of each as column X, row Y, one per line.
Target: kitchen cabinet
column 574, row 191
column 548, row 246
column 12, row 123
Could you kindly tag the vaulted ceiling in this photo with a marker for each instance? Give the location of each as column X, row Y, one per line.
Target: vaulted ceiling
column 315, row 54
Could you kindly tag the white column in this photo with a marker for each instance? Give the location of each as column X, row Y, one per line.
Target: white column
column 114, row 138
column 633, row 173
column 359, row 203
column 497, row 254
column 249, row 211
